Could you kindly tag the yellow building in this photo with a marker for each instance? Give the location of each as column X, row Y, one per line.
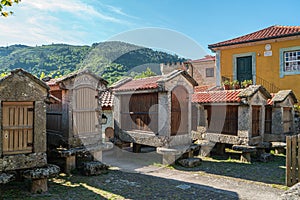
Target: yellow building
column 269, row 57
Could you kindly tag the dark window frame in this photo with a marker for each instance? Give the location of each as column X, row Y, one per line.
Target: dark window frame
column 210, row 72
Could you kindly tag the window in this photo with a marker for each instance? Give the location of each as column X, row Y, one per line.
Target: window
column 292, row 61
column 209, row 72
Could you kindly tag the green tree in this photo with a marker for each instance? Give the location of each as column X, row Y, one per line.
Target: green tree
column 43, row 75
column 7, row 3
column 146, row 73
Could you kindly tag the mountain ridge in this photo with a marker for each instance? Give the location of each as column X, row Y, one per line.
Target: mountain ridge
column 111, row 60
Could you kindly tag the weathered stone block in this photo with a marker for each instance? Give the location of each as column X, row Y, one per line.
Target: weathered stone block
column 94, row 168
column 190, row 162
column 22, row 161
column 42, row 172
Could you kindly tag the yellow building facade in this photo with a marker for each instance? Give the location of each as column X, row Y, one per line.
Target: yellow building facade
column 269, row 57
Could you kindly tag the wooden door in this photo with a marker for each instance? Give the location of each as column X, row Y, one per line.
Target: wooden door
column 17, row 127
column 84, row 111
column 179, row 111
column 143, row 112
column 255, row 120
column 244, row 68
column 268, row 120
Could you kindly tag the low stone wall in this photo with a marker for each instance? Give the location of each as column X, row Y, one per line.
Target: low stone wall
column 22, row 161
column 226, row 139
column 144, row 138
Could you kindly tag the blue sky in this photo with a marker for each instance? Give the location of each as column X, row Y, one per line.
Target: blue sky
column 81, row 22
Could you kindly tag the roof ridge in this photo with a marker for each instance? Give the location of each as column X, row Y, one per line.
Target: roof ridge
column 274, row 31
column 158, row 76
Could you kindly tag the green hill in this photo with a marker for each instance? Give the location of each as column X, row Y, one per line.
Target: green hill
column 111, row 60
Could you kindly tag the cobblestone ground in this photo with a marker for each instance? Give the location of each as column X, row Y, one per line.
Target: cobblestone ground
column 118, row 185
column 134, row 177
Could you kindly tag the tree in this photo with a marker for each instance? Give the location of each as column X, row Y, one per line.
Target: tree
column 146, row 73
column 6, row 3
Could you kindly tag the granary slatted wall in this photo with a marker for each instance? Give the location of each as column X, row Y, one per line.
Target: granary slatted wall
column 84, row 112
column 17, row 122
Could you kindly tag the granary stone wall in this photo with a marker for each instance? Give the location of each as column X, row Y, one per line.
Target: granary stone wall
column 22, row 161
column 20, row 86
column 169, row 86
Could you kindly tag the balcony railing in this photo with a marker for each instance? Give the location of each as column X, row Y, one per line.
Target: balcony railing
column 270, row 87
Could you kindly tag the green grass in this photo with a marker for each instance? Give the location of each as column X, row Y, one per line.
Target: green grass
column 110, row 186
column 229, row 165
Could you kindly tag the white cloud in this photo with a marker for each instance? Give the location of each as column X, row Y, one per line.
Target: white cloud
column 39, row 22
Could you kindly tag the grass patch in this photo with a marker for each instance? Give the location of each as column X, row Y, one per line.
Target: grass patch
column 229, row 165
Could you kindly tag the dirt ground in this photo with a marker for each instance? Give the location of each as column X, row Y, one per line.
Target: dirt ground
column 139, row 176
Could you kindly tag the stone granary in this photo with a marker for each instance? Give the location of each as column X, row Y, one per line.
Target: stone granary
column 242, row 117
column 74, row 118
column 155, row 111
column 280, row 116
column 23, row 130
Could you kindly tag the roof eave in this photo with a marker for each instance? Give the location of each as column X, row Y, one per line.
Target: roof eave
column 213, row 46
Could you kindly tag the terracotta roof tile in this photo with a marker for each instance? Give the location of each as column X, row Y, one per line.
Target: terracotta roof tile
column 51, row 82
column 140, row 84
column 106, row 99
column 225, row 96
column 270, row 101
column 206, row 58
column 264, row 34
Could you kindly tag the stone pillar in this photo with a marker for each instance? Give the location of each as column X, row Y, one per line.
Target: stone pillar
column 220, row 148
column 65, row 115
column 136, row 148
column 262, row 122
column 163, row 114
column 202, row 116
column 40, row 127
column 70, row 164
column 168, row 159
column 117, row 114
column 277, row 127
column 39, row 185
column 97, row 155
column 244, row 123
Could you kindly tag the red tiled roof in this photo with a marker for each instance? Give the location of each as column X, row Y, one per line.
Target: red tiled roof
column 269, row 101
column 206, row 58
column 228, row 96
column 264, row 34
column 51, row 82
column 106, row 99
column 140, row 84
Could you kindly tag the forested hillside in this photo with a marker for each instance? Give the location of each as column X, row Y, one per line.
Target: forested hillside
column 111, row 60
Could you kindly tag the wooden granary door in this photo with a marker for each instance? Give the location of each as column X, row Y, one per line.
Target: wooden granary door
column 84, row 111
column 179, row 111
column 255, row 121
column 17, row 127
